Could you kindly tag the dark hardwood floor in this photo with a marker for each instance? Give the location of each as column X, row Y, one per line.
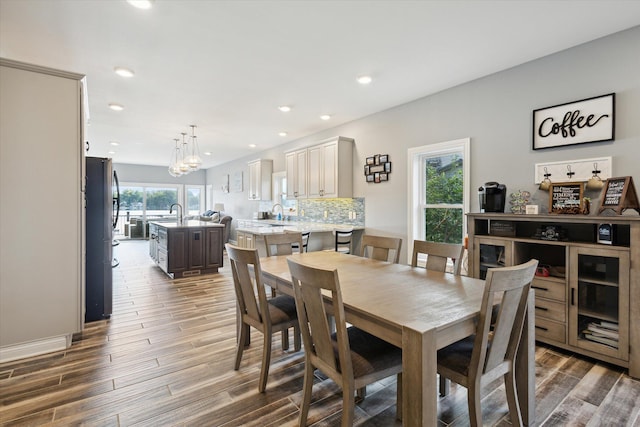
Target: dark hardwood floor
column 166, row 358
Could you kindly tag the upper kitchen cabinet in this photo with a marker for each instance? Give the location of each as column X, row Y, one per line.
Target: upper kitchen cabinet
column 296, row 164
column 42, row 210
column 260, row 179
column 330, row 168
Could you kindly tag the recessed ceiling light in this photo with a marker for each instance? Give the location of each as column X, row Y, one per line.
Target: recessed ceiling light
column 123, row 72
column 325, row 117
column 364, row 80
column 111, row 152
column 207, row 153
column 284, row 108
column 114, row 143
column 252, row 145
column 141, row 4
column 282, row 134
column 116, row 107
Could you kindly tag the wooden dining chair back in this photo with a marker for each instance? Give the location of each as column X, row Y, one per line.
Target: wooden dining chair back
column 343, row 240
column 490, row 353
column 350, row 357
column 438, row 255
column 381, row 248
column 282, row 243
column 268, row 316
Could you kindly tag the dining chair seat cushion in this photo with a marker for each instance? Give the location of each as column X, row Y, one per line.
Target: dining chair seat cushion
column 369, row 353
column 457, row 356
column 282, row 309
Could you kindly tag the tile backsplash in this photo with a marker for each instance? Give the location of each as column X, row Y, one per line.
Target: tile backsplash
column 348, row 211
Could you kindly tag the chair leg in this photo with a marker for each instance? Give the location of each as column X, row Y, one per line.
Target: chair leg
column 244, row 332
column 475, row 409
column 297, row 343
column 285, row 339
column 399, row 397
column 361, row 393
column 444, row 386
column 266, row 359
column 348, row 406
column 307, row 388
column 512, row 399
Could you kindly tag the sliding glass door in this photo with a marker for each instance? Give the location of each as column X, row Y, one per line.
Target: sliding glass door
column 141, row 203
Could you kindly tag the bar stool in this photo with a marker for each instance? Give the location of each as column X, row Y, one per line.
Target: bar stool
column 343, row 240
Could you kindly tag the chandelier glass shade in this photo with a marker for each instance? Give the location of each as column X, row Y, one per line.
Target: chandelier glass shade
column 176, row 158
column 186, row 156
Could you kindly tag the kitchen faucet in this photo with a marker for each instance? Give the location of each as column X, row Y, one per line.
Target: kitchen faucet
column 178, row 212
column 273, row 208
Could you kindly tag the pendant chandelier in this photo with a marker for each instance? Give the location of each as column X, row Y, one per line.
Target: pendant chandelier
column 185, row 158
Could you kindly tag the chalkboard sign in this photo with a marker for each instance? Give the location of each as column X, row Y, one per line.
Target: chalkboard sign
column 619, row 194
column 566, row 197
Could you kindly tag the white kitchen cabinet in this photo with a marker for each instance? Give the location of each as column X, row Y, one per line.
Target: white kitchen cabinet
column 42, row 211
column 330, row 168
column 260, row 179
column 296, row 168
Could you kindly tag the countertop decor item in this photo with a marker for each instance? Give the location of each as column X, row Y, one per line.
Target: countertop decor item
column 519, row 201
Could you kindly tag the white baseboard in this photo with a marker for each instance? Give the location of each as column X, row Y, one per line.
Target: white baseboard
column 34, row 348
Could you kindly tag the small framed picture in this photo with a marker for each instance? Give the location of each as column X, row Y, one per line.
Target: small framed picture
column 384, row 176
column 384, row 158
column 387, row 167
column 369, row 178
column 376, row 159
column 367, row 170
column 376, row 177
column 370, row 160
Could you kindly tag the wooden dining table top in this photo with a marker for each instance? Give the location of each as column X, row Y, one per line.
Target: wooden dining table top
column 394, row 294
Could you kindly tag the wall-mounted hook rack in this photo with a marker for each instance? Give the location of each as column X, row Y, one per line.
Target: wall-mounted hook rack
column 581, row 170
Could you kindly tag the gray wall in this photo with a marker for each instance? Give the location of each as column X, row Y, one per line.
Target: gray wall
column 155, row 174
column 495, row 112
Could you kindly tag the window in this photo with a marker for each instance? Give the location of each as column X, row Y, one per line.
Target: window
column 140, row 203
column 194, row 204
column 439, row 191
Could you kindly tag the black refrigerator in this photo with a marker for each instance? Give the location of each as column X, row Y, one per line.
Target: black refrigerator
column 101, row 198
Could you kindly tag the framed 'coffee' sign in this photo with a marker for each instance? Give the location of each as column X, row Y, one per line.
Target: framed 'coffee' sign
column 619, row 194
column 578, row 122
column 566, row 197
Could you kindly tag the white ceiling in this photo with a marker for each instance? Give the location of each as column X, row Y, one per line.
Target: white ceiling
column 226, row 66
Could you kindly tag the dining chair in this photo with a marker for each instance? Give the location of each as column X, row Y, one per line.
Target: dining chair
column 343, row 240
column 438, row 255
column 489, row 354
column 305, row 242
column 266, row 315
column 349, row 356
column 378, row 247
column 282, row 243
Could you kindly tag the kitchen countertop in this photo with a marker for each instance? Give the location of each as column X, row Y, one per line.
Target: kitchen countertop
column 262, row 227
column 187, row 224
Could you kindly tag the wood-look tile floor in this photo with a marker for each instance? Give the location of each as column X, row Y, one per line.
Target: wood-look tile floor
column 166, row 358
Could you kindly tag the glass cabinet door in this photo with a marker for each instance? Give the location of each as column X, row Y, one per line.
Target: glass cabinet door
column 490, row 253
column 599, row 301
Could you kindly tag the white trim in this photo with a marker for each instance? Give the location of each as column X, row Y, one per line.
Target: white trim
column 414, row 167
column 34, row 348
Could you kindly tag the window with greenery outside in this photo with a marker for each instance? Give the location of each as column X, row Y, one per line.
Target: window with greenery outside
column 444, row 198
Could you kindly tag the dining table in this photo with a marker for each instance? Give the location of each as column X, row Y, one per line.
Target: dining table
column 417, row 310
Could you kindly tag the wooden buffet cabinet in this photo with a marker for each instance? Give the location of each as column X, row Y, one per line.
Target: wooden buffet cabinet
column 188, row 249
column 587, row 293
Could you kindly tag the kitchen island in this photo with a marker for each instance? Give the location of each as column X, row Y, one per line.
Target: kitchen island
column 186, row 249
column 250, row 233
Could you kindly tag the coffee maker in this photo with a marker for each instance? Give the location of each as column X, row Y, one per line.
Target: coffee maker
column 492, row 197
